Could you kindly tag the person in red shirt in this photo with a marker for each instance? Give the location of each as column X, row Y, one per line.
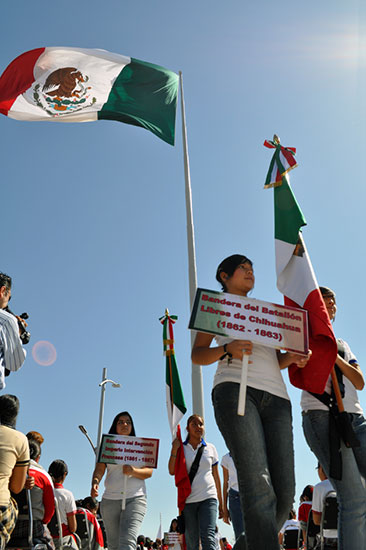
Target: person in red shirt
column 305, row 507
column 89, row 506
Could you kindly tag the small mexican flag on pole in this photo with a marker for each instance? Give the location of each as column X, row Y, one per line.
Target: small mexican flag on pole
column 295, row 275
column 174, row 395
column 176, row 407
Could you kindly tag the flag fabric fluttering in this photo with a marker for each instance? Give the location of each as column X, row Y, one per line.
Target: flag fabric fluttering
column 297, row 282
column 81, row 85
column 176, row 407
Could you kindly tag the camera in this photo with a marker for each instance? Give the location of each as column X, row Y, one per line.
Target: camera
column 24, row 335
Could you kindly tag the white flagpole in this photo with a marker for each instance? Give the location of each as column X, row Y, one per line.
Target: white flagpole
column 197, row 385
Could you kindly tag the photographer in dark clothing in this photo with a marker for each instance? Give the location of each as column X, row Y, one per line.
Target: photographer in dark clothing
column 12, row 354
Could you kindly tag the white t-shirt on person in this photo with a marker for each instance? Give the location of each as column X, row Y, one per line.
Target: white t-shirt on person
column 228, row 463
column 114, row 484
column 320, row 491
column 350, row 400
column 203, row 485
column 264, row 372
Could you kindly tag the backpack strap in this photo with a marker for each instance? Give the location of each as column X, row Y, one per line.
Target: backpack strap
column 195, row 464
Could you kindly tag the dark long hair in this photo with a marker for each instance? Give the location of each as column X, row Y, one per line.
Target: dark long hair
column 171, row 525
column 113, row 428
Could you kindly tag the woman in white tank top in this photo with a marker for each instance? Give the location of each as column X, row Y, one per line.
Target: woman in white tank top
column 260, row 442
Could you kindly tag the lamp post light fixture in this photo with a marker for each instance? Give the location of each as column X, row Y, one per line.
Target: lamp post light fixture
column 103, row 384
column 83, row 430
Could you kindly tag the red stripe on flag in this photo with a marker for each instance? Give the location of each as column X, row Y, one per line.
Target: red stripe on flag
column 313, row 377
column 181, row 475
column 17, row 78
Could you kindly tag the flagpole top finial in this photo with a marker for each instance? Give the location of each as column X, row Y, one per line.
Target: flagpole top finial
column 276, row 139
column 166, row 311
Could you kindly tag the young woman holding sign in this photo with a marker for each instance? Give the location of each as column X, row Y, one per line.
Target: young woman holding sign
column 121, row 525
column 260, row 442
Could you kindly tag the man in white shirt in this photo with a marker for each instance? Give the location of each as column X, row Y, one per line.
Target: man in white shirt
column 320, row 491
column 12, row 354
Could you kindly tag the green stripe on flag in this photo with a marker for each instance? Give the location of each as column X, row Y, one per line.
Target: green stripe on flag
column 288, row 216
column 176, row 389
column 144, row 95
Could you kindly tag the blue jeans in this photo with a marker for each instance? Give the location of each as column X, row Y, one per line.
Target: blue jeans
column 235, row 512
column 200, row 519
column 122, row 526
column 351, row 492
column 261, row 445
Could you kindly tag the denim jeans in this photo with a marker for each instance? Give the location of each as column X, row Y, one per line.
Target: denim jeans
column 351, row 492
column 200, row 519
column 122, row 526
column 261, row 445
column 236, row 514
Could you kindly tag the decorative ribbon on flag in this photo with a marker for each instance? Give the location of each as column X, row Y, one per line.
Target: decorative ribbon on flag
column 282, row 162
column 168, row 337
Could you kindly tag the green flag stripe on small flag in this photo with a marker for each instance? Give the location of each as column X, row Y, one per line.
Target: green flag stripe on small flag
column 173, row 381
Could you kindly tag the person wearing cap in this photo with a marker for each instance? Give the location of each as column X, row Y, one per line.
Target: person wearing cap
column 261, row 441
column 345, row 467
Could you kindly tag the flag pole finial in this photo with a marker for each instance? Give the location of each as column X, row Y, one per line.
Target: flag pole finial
column 276, row 139
column 166, row 311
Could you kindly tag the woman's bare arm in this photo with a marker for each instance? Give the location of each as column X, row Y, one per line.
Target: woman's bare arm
column 203, row 354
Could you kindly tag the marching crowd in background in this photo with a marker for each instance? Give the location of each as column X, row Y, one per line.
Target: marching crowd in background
column 258, row 488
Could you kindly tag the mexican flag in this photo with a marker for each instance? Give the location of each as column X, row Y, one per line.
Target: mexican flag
column 297, row 282
column 174, row 395
column 84, row 85
column 176, row 407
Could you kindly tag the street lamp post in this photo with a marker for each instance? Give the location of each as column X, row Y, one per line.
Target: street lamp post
column 102, row 384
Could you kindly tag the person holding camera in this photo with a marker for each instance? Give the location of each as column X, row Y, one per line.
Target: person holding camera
column 12, row 354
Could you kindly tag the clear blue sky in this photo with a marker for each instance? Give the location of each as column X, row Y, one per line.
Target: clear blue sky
column 93, row 214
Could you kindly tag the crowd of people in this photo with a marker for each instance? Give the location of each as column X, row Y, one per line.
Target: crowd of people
column 257, row 492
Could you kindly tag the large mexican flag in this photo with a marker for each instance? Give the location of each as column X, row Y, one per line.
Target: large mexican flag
column 297, row 282
column 83, row 85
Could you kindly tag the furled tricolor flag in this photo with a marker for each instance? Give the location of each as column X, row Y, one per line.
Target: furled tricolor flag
column 297, row 282
column 176, row 406
column 81, row 85
column 282, row 162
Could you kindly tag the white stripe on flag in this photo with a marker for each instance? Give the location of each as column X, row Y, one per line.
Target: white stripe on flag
column 297, row 278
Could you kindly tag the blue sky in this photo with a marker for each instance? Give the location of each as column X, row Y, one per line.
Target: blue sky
column 93, row 214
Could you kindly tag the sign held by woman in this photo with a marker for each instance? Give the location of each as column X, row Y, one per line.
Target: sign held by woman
column 239, row 317
column 136, row 451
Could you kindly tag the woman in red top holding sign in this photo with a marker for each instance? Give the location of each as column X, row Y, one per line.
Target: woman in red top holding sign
column 260, row 442
column 121, row 525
